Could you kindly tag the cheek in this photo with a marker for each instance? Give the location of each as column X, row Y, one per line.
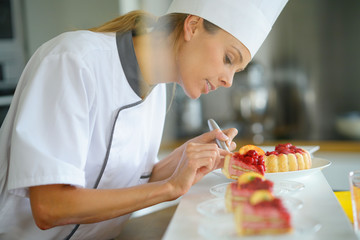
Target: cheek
column 204, row 62
column 188, row 65
column 197, row 63
column 211, row 58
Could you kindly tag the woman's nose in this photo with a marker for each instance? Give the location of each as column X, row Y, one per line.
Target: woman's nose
column 227, row 80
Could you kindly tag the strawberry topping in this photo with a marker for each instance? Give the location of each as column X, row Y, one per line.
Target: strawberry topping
column 252, row 158
column 286, row 148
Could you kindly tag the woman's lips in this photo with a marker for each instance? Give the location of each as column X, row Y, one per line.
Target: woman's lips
column 209, row 87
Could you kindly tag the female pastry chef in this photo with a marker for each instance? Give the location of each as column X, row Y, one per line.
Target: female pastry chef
column 79, row 145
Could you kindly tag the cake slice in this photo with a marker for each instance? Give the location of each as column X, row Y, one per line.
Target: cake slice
column 244, row 187
column 264, row 214
column 249, row 159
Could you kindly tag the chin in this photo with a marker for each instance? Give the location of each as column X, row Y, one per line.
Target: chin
column 192, row 95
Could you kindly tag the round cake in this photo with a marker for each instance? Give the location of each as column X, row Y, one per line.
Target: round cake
column 287, row 157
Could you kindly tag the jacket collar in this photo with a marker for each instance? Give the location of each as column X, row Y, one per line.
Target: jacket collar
column 130, row 64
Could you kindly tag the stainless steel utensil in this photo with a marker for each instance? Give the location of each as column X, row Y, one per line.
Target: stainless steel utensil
column 213, row 125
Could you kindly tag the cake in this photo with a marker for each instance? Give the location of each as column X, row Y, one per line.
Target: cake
column 287, row 157
column 241, row 190
column 249, row 159
column 264, row 214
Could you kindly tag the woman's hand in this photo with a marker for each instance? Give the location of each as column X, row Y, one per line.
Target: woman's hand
column 226, row 135
column 194, row 159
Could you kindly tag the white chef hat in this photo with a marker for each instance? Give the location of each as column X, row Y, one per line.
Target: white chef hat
column 250, row 21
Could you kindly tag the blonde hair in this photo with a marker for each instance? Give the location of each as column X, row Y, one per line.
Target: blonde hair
column 136, row 20
column 141, row 21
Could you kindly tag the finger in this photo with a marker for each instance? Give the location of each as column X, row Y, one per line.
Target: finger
column 209, row 137
column 219, row 163
column 226, row 136
column 231, row 133
column 199, row 164
column 200, row 153
column 196, row 150
column 221, row 135
column 232, row 146
column 194, row 147
column 208, row 163
column 223, row 152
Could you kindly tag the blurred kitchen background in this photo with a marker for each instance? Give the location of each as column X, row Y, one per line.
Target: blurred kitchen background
column 303, row 84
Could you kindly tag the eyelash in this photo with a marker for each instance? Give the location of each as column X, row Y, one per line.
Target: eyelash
column 227, row 59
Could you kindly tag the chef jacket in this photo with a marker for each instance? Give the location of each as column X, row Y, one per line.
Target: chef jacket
column 79, row 104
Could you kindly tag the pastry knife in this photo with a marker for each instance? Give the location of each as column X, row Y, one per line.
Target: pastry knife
column 213, row 125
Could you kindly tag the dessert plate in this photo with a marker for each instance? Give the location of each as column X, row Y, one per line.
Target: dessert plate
column 220, row 190
column 317, row 165
column 219, row 224
column 215, row 208
column 289, row 186
column 281, row 187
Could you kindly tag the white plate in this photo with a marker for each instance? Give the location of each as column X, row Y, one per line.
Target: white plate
column 317, row 165
column 215, row 208
column 220, row 189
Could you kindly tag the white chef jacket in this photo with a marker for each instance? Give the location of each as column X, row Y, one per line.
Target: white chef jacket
column 80, row 94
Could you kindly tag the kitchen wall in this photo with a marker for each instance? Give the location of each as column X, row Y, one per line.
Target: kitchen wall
column 45, row 19
column 309, row 65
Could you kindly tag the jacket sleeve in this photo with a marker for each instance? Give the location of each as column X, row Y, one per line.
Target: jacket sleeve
column 51, row 135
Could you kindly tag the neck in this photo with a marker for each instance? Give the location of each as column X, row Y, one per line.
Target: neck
column 156, row 59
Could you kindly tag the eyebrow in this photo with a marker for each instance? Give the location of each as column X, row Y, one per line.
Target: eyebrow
column 238, row 51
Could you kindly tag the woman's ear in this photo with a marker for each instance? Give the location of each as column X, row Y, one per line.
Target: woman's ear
column 191, row 24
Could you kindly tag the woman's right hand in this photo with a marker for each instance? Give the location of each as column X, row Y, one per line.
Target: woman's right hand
column 197, row 160
column 200, row 156
column 188, row 163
